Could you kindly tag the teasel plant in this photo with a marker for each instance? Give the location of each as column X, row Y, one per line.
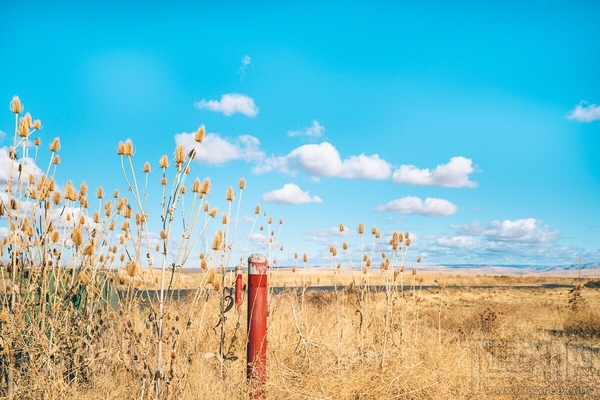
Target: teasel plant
column 172, row 200
column 57, row 269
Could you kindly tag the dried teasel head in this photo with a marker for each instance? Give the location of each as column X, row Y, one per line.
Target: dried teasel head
column 341, row 227
column 257, row 209
column 218, row 241
column 121, row 148
column 242, row 184
column 37, row 141
column 305, row 258
column 56, row 160
column 146, row 167
column 132, row 268
column 213, row 212
column 55, row 145
column 128, row 148
column 296, row 256
column 224, row 219
column 205, row 188
column 37, row 125
column 199, row 137
column 164, row 162
column 345, row 246
column 84, row 278
column 77, row 237
column 196, row 186
column 206, row 207
column 179, row 155
column 100, row 192
column 414, row 271
column 116, row 193
column 419, row 259
column 407, row 242
column 230, row 195
column 15, row 105
column 361, row 228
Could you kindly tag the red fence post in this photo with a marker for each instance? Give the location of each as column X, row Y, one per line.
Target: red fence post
column 257, row 324
column 239, row 295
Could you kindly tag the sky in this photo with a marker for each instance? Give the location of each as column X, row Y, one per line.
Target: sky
column 475, row 126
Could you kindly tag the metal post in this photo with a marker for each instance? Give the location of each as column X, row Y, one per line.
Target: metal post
column 239, row 295
column 257, row 324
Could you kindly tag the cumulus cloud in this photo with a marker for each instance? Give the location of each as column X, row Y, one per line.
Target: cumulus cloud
column 290, row 194
column 527, row 230
column 455, row 174
column 28, row 167
column 458, row 241
column 323, row 160
column 585, row 112
column 230, row 104
column 315, row 130
column 414, row 205
column 217, row 150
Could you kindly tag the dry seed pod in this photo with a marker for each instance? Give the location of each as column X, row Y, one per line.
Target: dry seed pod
column 296, row 255
column 205, row 189
column 100, row 192
column 229, row 196
column 37, row 141
column 132, row 268
column 206, row 207
column 213, row 212
column 121, row 148
column 341, row 227
column 77, row 237
column 128, row 148
column 55, row 145
column 199, row 137
column 217, row 241
column 37, row 125
column 361, row 228
column 116, row 193
column 242, row 184
column 179, row 155
column 15, row 105
column 419, row 259
column 305, row 258
column 257, row 209
column 345, row 246
column 407, row 242
column 224, row 219
column 164, row 162
column 146, row 167
column 196, row 186
column 84, row 278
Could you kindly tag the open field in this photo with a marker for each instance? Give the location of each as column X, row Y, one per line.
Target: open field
column 456, row 342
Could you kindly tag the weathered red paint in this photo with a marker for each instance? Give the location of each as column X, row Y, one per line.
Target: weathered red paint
column 239, row 294
column 256, row 372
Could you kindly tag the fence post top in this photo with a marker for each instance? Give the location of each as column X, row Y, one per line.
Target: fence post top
column 257, row 264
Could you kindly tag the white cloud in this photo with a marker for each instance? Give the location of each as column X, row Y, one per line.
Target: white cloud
column 246, row 60
column 324, row 160
column 585, row 112
column 217, row 150
column 527, row 230
column 230, row 104
column 458, row 241
column 315, row 130
column 290, row 194
column 454, row 174
column 414, row 205
column 28, row 167
column 2, row 135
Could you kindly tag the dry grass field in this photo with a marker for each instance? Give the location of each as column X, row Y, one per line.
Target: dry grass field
column 451, row 342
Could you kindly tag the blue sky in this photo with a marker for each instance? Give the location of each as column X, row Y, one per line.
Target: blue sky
column 474, row 126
